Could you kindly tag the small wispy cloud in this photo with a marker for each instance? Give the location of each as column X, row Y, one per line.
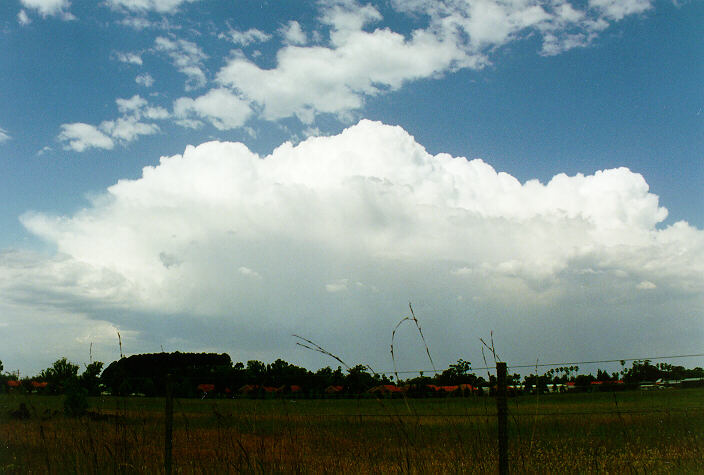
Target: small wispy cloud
column 159, row 6
column 245, row 38
column 145, row 80
column 646, row 285
column 187, row 57
column 246, row 271
column 80, row 137
column 136, row 120
column 293, row 33
column 45, row 8
column 129, row 58
column 339, row 285
column 23, row 18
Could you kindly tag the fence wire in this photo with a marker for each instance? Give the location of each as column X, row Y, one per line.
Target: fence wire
column 543, row 365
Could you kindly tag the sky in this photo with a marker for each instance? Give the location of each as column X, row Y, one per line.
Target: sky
column 212, row 175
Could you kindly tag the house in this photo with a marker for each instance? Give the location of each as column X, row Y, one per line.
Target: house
column 248, row 389
column 386, row 389
column 205, row 389
column 692, row 382
column 334, row 389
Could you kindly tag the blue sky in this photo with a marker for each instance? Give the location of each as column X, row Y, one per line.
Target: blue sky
column 94, row 92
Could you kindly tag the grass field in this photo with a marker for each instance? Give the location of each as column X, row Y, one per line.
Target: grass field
column 625, row 432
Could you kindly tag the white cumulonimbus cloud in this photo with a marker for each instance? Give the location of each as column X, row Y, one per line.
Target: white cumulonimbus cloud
column 334, row 235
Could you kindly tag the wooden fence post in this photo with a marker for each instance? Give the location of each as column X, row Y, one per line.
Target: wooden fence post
column 502, row 414
column 168, row 424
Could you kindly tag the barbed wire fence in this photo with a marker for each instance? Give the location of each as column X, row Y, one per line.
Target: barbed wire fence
column 552, row 364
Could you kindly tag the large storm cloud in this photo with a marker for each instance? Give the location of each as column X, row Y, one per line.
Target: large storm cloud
column 219, row 248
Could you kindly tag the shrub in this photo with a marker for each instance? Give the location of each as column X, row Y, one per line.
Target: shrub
column 76, row 400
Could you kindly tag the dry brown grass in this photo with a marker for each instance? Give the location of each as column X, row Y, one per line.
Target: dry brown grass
column 659, row 433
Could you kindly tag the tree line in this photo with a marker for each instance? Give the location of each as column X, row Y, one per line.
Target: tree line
column 191, row 374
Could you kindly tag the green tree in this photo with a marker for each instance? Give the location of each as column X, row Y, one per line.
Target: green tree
column 643, row 371
column 458, row 373
column 61, row 373
column 76, row 400
column 256, row 372
column 359, row 380
column 90, row 378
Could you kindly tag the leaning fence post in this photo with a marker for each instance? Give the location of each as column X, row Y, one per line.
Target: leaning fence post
column 502, row 414
column 168, row 424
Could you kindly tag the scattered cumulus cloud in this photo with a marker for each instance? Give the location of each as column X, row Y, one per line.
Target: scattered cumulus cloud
column 246, row 271
column 124, row 129
column 646, row 285
column 220, row 107
column 187, row 57
column 618, row 9
column 359, row 61
column 159, row 6
column 49, row 8
column 128, row 129
column 339, row 285
column 245, row 38
column 493, row 23
column 354, row 56
column 145, row 80
column 129, row 58
column 80, row 137
column 293, row 34
column 136, row 22
column 131, row 105
column 23, row 18
column 338, row 78
column 43, row 150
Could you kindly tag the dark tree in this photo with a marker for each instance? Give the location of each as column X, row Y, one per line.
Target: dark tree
column 59, row 375
column 256, row 372
column 358, row 380
column 458, row 373
column 141, row 373
column 90, row 378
